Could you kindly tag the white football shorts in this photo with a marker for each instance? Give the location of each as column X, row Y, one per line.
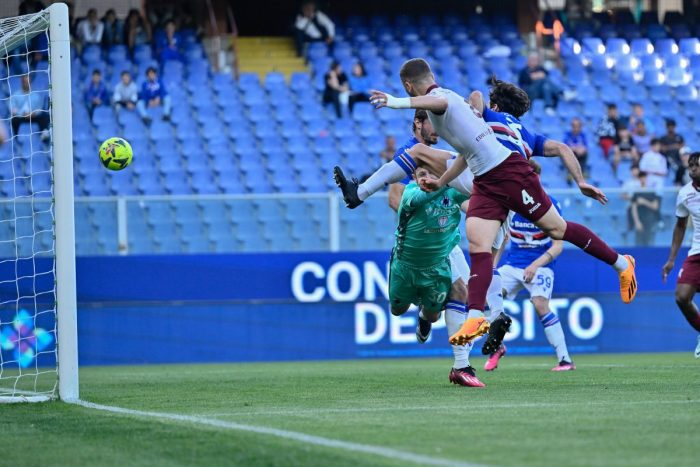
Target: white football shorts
column 458, row 264
column 513, row 282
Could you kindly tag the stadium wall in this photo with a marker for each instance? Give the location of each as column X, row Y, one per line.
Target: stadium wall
column 267, row 307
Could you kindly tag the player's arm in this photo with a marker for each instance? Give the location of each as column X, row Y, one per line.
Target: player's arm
column 395, row 193
column 476, row 99
column 460, row 164
column 544, row 259
column 433, row 104
column 558, row 149
column 678, row 234
column 419, row 197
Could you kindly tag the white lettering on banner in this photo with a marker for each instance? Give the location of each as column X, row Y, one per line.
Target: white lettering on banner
column 375, row 279
column 333, row 285
column 398, row 325
column 528, row 320
column 307, row 267
column 362, row 334
column 401, row 329
column 596, row 318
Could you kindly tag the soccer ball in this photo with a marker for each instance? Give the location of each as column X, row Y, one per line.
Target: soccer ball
column 116, row 153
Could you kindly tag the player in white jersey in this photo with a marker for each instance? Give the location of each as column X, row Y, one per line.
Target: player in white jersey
column 502, row 183
column 687, row 205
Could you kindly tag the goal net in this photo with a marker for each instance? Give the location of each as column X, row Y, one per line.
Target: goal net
column 37, row 254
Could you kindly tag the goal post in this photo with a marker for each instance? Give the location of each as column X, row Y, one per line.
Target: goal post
column 38, row 304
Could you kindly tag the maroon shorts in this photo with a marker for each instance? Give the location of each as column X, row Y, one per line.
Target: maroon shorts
column 690, row 271
column 510, row 186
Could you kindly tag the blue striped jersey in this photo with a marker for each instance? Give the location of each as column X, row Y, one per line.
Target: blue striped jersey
column 527, row 241
column 513, row 135
column 409, row 144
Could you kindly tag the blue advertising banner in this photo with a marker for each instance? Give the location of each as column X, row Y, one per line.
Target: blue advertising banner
column 216, row 308
column 163, row 309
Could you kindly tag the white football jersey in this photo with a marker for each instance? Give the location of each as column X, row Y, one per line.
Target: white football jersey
column 463, row 127
column 688, row 204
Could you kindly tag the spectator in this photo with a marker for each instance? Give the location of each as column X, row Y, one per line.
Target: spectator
column 607, row 130
column 125, row 93
column 29, row 107
column 337, row 90
column 576, row 140
column 153, row 94
column 630, row 187
column 387, row 154
column 533, row 79
column 312, row 25
column 624, row 148
column 113, row 30
column 90, row 29
column 359, row 85
column 168, row 48
column 636, row 117
column 644, row 212
column 137, row 30
column 96, row 93
column 685, row 153
column 671, row 144
column 641, row 137
column 654, row 164
column 27, row 7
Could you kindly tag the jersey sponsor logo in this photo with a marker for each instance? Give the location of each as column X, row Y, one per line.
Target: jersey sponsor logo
column 442, row 221
column 534, row 208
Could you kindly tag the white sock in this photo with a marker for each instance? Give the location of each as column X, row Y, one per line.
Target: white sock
column 621, row 263
column 494, row 297
column 555, row 336
column 455, row 316
column 389, row 173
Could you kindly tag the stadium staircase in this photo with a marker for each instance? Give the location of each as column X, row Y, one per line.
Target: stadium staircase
column 263, row 55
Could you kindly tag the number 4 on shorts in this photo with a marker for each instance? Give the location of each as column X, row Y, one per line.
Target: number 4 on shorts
column 527, row 199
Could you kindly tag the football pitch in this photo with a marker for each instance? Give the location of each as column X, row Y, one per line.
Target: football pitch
column 641, row 409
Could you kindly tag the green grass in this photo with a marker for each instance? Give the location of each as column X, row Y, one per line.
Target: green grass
column 614, row 410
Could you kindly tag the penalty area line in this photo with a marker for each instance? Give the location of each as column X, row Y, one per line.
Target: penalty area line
column 392, row 454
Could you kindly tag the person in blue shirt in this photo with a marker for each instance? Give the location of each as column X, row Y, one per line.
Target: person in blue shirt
column 29, row 107
column 169, row 44
column 359, row 85
column 576, row 140
column 153, row 94
column 424, row 133
column 96, row 93
column 529, row 265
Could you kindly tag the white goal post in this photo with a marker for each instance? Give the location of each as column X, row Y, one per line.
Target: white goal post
column 38, row 306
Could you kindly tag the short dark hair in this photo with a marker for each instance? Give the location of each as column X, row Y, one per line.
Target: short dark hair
column 670, row 122
column 415, row 69
column 612, row 105
column 96, row 71
column 126, row 72
column 151, row 69
column 694, row 158
column 655, row 141
column 420, row 115
column 508, row 97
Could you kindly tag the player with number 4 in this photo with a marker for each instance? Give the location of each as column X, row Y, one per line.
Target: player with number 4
column 503, row 181
column 529, row 265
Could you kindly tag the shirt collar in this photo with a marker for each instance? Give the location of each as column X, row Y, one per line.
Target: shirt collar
column 431, row 87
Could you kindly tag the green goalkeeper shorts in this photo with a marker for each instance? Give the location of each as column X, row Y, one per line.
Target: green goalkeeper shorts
column 426, row 287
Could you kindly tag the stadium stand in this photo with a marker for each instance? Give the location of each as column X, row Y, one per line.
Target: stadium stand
column 255, row 136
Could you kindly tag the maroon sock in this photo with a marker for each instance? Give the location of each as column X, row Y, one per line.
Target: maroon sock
column 480, row 279
column 582, row 237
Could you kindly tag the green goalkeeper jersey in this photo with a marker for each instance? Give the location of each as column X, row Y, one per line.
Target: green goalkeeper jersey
column 428, row 225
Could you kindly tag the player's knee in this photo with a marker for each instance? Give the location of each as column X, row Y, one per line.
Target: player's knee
column 683, row 298
column 458, row 292
column 398, row 310
column 541, row 305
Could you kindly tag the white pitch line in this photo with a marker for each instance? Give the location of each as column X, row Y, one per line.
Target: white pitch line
column 470, row 406
column 392, row 454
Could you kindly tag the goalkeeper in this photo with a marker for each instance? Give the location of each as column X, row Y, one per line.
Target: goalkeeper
column 420, row 270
